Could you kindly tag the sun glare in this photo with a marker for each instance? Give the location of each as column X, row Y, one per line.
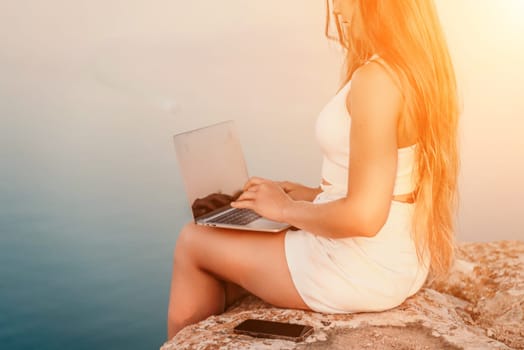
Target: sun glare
column 513, row 10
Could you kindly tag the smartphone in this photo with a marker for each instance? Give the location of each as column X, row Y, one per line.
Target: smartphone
column 275, row 330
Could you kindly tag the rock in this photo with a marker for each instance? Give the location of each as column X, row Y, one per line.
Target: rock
column 480, row 305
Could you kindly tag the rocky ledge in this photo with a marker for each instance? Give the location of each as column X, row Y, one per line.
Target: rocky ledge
column 480, row 305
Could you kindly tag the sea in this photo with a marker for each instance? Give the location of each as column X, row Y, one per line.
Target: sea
column 91, row 278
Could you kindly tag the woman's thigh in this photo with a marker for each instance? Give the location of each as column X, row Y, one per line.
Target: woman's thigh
column 254, row 260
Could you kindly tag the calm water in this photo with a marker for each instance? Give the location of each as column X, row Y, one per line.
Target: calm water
column 83, row 276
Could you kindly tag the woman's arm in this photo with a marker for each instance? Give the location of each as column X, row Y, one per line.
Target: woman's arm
column 375, row 103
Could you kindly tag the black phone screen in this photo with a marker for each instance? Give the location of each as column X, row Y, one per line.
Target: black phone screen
column 263, row 327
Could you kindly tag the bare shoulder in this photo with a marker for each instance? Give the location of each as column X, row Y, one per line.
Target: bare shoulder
column 374, row 92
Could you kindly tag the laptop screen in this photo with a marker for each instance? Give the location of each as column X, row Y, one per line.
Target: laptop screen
column 212, row 166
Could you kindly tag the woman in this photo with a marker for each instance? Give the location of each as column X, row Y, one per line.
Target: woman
column 382, row 218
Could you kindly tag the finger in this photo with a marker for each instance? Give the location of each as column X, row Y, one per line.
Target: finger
column 243, row 204
column 253, row 181
column 253, row 188
column 247, row 196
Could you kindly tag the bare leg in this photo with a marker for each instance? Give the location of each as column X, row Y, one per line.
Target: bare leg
column 232, row 292
column 213, row 268
column 195, row 294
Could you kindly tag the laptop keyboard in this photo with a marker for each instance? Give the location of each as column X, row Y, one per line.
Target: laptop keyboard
column 238, row 217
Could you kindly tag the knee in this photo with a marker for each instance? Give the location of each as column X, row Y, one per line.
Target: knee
column 185, row 241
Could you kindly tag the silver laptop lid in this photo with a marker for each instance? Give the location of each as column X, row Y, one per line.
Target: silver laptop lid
column 212, row 166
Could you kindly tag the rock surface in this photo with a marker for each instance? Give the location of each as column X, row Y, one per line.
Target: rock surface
column 480, row 305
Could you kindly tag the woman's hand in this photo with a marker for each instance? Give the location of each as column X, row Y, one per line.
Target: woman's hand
column 267, row 198
column 299, row 192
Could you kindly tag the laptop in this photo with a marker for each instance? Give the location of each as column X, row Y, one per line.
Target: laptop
column 214, row 172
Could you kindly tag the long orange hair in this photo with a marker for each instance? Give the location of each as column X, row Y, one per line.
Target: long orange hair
column 408, row 36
